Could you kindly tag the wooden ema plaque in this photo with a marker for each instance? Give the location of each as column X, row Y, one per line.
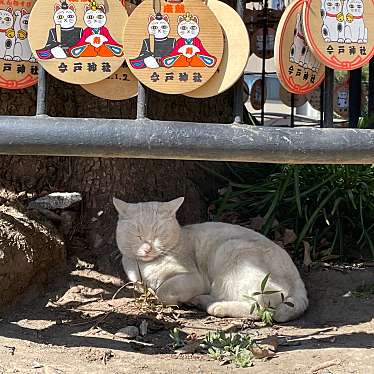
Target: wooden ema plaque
column 297, row 68
column 257, row 42
column 18, row 67
column 286, row 98
column 121, row 85
column 256, row 94
column 175, row 48
column 78, row 42
column 235, row 53
column 340, row 32
column 341, row 99
column 314, row 99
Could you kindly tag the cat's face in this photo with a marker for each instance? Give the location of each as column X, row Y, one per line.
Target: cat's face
column 25, row 20
column 147, row 230
column 95, row 18
column 160, row 28
column 355, row 7
column 6, row 18
column 188, row 29
column 66, row 18
column 334, row 6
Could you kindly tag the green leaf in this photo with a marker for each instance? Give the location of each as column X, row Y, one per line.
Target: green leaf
column 264, row 282
column 270, row 292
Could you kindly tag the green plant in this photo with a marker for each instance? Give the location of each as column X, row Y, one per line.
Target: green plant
column 364, row 291
column 175, row 336
column 235, row 348
column 366, row 122
column 329, row 206
column 264, row 312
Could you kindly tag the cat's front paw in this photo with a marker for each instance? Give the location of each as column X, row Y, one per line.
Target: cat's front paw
column 217, row 309
column 16, row 58
column 8, row 58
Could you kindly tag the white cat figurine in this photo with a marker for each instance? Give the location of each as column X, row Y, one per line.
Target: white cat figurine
column 355, row 30
column 22, row 50
column 210, row 265
column 333, row 20
column 7, row 34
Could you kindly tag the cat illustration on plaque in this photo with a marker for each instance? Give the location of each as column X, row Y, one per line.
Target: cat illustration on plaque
column 64, row 35
column 7, row 34
column 355, row 29
column 189, row 50
column 150, row 56
column 96, row 39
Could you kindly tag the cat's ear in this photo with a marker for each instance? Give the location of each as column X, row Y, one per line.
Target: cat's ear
column 120, row 206
column 102, row 8
column 57, row 7
column 72, row 7
column 172, row 206
column 9, row 9
column 165, row 17
column 23, row 12
column 194, row 18
column 180, row 19
column 87, row 8
column 151, row 18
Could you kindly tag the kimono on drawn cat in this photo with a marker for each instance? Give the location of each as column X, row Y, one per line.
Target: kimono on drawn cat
column 189, row 50
column 159, row 28
column 211, row 265
column 66, row 18
column 7, row 34
column 96, row 39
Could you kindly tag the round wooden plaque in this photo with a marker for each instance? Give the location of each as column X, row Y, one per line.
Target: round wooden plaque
column 235, row 53
column 341, row 99
column 78, row 42
column 121, row 85
column 286, row 98
column 257, row 42
column 174, row 49
column 314, row 98
column 256, row 93
column 298, row 70
column 340, row 32
column 18, row 67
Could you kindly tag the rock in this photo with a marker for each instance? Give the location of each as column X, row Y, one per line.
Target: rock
column 30, row 251
column 128, row 332
column 143, row 328
column 56, row 200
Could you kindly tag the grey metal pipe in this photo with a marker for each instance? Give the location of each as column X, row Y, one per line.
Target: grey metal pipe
column 183, row 140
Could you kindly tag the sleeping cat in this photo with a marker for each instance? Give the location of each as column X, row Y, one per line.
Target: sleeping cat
column 7, row 34
column 210, row 265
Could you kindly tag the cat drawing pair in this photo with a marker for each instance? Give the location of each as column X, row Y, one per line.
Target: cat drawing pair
column 167, row 52
column 343, row 21
column 13, row 35
column 211, row 265
column 94, row 40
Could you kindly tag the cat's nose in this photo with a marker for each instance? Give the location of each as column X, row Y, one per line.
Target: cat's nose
column 145, row 248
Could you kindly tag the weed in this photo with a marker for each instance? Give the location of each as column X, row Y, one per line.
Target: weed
column 364, row 291
column 265, row 312
column 329, row 206
column 234, row 348
column 176, row 337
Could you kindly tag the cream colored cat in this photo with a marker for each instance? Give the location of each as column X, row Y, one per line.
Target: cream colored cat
column 210, row 265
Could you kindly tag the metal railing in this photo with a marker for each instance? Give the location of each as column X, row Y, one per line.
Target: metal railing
column 146, row 138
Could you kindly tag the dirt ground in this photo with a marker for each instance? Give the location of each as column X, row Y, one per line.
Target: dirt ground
column 71, row 330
